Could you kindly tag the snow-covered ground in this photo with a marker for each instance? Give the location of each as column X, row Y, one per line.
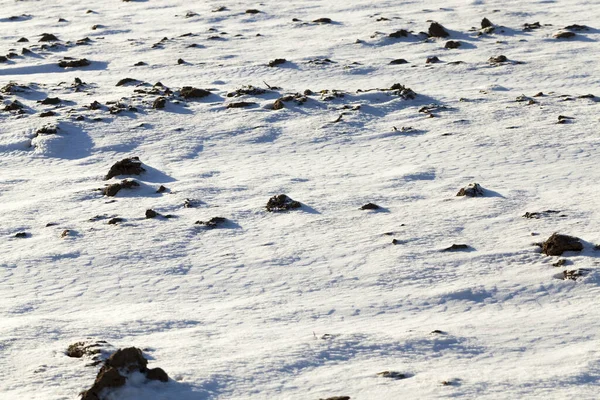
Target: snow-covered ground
column 314, row 302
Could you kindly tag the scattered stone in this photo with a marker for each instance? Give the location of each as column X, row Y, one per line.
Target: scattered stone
column 180, row 61
column 452, row 44
column 560, row 263
column 278, row 105
column 85, row 40
column 50, row 101
column 65, row 233
column 576, row 27
column 486, row 23
column 23, row 40
column 189, row 92
column 432, row 60
column 21, row 235
column 213, row 222
column 48, row 37
column 323, row 21
column 370, row 206
column 112, row 190
column 116, row 220
column 47, row 130
column 472, row 190
column 252, row 11
column 396, row 241
column 139, row 64
column 127, row 166
column 528, row 27
column 74, row 63
column 161, row 189
column 277, row 61
column 399, row 34
column 14, row 105
column 564, row 35
column 240, row 104
column 126, row 81
column 159, row 103
column 457, row 247
column 282, row 203
column 398, row 61
column 558, row 244
column 219, row 9
column 247, row 91
column 47, row 114
column 437, row 30
column 151, row 213
column 392, row 375
column 537, row 215
column 498, row 59
column 563, row 119
column 25, row 51
column 575, row 273
column 157, row 374
column 438, row 332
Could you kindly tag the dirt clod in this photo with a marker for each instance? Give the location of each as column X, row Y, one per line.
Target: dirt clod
column 282, row 203
column 127, row 166
column 558, row 244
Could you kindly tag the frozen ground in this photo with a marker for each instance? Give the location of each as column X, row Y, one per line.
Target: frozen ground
column 310, row 303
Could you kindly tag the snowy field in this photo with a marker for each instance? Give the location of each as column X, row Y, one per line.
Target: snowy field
column 313, row 302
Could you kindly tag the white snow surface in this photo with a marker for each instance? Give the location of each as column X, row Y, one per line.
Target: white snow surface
column 240, row 311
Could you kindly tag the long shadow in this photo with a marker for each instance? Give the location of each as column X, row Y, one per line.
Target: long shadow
column 51, row 69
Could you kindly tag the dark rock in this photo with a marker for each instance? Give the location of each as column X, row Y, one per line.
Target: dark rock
column 127, row 166
column 151, row 214
column 21, row 235
column 189, row 92
column 370, row 206
column 576, row 28
column 486, row 23
column 457, row 247
column 398, row 61
column 180, row 61
column 47, row 114
column 219, row 9
column 564, row 35
column 23, row 40
column 432, row 60
column 48, row 37
column 534, row 25
column 157, row 374
column 125, row 81
column 25, row 51
column 278, row 105
column 277, row 61
column 396, row 241
column 213, row 222
column 112, row 190
column 240, row 104
column 438, row 332
column 498, row 59
column 558, row 244
column 47, row 130
column 51, row 101
column 159, row 103
column 437, row 30
column 85, row 40
column 402, row 91
column 161, row 189
column 252, row 11
column 560, row 263
column 107, row 378
column 95, row 105
column 139, row 64
column 337, row 398
column 472, row 190
column 282, row 203
column 65, row 233
column 3, row 59
column 392, row 375
column 399, row 34
column 323, row 21
column 247, row 90
column 452, row 44
column 129, row 359
column 114, row 221
column 14, row 105
column 74, row 63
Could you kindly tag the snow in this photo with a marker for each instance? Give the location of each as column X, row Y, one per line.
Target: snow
column 240, row 311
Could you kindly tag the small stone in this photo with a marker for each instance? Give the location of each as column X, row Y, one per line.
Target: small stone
column 282, row 203
column 74, row 63
column 498, row 59
column 161, row 189
column 125, row 81
column 432, row 60
column 457, row 247
column 278, row 105
column 277, row 61
column 112, row 190
column 252, row 11
column 51, row 101
column 213, row 222
column 23, row 40
column 564, row 35
column 452, row 44
column 65, row 233
column 392, row 375
column 323, row 21
column 48, row 37
column 437, row 30
column 558, row 244
column 398, row 61
column 189, row 92
column 159, row 103
column 399, row 34
column 560, row 263
column 240, row 104
column 472, row 190
column 486, row 23
column 180, row 61
column 127, row 166
column 151, row 214
column 370, row 206
column 21, row 235
column 157, row 374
